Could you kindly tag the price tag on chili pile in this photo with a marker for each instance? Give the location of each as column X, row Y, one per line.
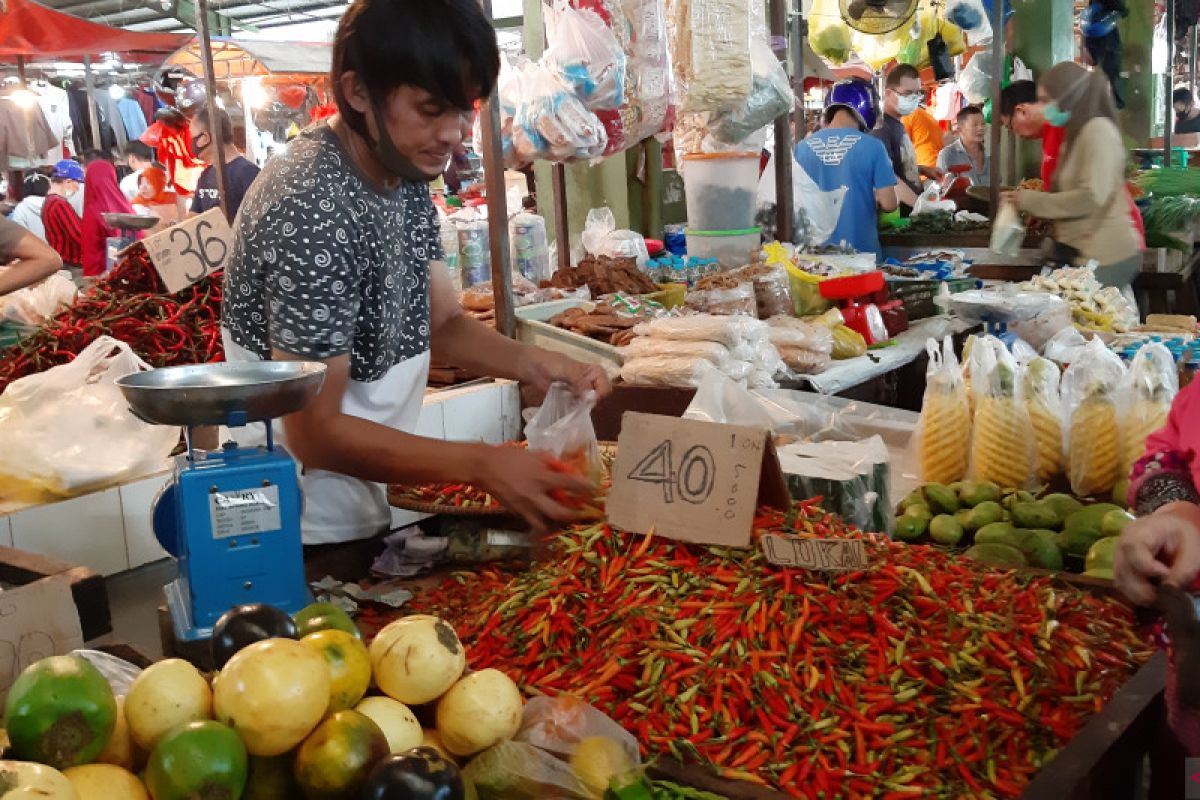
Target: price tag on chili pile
column 187, row 252
column 693, row 481
column 831, row 555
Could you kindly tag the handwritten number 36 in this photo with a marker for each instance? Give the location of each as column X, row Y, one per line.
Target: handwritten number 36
column 209, row 250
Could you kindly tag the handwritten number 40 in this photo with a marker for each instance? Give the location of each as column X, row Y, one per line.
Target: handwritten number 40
column 208, row 250
column 692, row 479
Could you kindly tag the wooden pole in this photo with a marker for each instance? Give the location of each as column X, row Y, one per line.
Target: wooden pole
column 89, row 82
column 1169, row 81
column 210, row 91
column 784, row 199
column 497, row 205
column 562, row 227
column 1192, row 61
column 997, row 84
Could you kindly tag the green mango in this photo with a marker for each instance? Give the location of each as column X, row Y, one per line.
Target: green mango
column 1076, row 541
column 1104, row 574
column 1039, row 548
column 914, row 498
column 1035, row 515
column 910, row 528
column 997, row 533
column 1100, row 555
column 963, row 516
column 956, row 487
column 942, row 499
column 1120, row 493
column 1090, row 518
column 1114, row 522
column 945, row 530
column 997, row 555
column 919, row 512
column 983, row 514
column 1063, row 504
column 1019, row 496
column 974, row 494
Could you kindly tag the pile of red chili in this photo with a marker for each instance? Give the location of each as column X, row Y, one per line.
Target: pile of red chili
column 920, row 676
column 129, row 304
column 458, row 495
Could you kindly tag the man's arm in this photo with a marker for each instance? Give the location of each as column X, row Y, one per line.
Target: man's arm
column 29, row 261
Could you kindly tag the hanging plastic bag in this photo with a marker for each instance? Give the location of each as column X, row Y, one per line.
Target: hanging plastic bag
column 975, row 80
column 69, row 429
column 1151, row 385
column 828, row 36
column 1002, row 451
column 508, row 91
column 710, row 52
column 562, row 426
column 770, row 96
column 1043, row 402
column 970, row 15
column 551, row 123
column 944, row 428
column 1008, row 232
column 1090, row 387
column 585, row 56
column 879, row 51
column 816, row 212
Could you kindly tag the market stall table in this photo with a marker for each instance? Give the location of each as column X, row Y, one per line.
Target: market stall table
column 985, row 264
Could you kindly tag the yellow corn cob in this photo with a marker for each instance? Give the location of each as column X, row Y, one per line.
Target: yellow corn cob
column 1093, row 451
column 1000, row 444
column 1143, row 418
column 1047, row 433
column 945, row 436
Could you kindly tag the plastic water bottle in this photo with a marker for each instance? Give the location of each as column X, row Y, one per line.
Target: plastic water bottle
column 530, row 249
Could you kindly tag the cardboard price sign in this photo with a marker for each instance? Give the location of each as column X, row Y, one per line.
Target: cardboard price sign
column 693, row 481
column 36, row 620
column 832, row 555
column 186, row 252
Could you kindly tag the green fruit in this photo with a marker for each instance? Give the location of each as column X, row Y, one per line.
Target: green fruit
column 1114, row 522
column 1100, row 555
column 1020, row 496
column 920, row 512
column 1120, row 493
column 963, row 516
column 333, row 762
column 942, row 499
column 1077, row 541
column 60, row 712
column 910, row 528
column 1035, row 515
column 1039, row 548
column 997, row 533
column 323, row 616
column 1090, row 518
column 956, row 487
column 997, row 555
column 1063, row 504
column 989, row 491
column 198, row 761
column 945, row 530
column 914, row 498
column 973, row 494
column 1105, row 574
column 986, row 513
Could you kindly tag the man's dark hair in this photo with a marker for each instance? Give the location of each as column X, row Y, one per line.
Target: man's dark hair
column 445, row 47
column 96, row 154
column 1017, row 93
column 968, row 111
column 138, row 150
column 35, row 184
column 901, row 72
column 1182, row 95
column 224, row 123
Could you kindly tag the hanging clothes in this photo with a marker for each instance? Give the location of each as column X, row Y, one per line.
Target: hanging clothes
column 57, row 109
column 25, row 136
column 146, row 101
column 132, row 117
column 81, row 120
column 110, row 117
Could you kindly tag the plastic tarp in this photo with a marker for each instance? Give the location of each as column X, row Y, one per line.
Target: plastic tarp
column 243, row 58
column 33, row 31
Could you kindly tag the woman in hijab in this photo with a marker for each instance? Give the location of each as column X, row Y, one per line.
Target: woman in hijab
column 153, row 198
column 1086, row 198
column 101, row 195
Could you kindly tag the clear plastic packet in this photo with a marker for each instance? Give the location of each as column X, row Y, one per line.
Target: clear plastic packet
column 562, row 426
column 585, row 56
column 729, row 331
column 119, row 673
column 828, row 36
column 1151, row 385
column 772, row 288
column 519, row 771
column 1007, row 231
column 1090, row 389
column 770, row 95
column 508, row 91
column 738, row 299
column 551, row 123
column 678, row 372
column 1043, row 401
column 1065, row 346
column 714, row 352
column 710, row 52
column 943, row 436
column 795, row 333
column 35, row 304
column 1002, row 452
column 559, row 724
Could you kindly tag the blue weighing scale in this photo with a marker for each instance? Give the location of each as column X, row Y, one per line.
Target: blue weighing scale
column 231, row 518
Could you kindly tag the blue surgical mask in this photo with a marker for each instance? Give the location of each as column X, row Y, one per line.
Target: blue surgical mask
column 1055, row 116
column 909, row 104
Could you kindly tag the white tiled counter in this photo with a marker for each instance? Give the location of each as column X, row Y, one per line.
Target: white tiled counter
column 110, row 530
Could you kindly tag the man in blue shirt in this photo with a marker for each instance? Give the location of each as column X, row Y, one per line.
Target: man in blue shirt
column 843, row 153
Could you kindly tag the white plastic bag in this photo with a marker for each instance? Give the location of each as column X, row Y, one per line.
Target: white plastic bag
column 1151, row 385
column 944, row 430
column 551, row 123
column 69, row 429
column 816, row 212
column 562, row 426
column 930, row 200
column 975, row 81
column 1090, row 389
column 1002, row 452
column 1065, row 346
column 1007, row 231
column 770, row 95
column 601, row 237
column 33, row 305
column 1043, row 400
column 585, row 56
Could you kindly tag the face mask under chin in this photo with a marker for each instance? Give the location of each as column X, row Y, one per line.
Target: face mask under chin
column 391, row 159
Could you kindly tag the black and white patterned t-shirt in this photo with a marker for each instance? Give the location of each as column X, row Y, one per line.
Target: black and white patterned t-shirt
column 323, row 265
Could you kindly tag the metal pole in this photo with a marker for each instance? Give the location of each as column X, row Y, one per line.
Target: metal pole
column 997, row 83
column 799, row 33
column 562, row 232
column 784, row 201
column 210, row 91
column 89, row 83
column 1192, row 61
column 21, row 72
column 1169, row 82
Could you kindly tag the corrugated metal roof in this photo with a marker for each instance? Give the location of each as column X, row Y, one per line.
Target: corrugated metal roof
column 177, row 15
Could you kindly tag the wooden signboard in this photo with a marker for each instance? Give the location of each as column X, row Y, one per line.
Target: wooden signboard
column 693, row 481
column 189, row 251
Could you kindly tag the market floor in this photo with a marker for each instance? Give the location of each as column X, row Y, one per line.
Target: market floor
column 133, row 600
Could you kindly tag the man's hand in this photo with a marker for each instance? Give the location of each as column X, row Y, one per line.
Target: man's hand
column 527, row 483
column 1161, row 548
column 932, row 173
column 540, row 368
column 1012, row 197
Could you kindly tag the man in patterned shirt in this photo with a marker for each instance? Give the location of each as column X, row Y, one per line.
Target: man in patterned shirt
column 337, row 259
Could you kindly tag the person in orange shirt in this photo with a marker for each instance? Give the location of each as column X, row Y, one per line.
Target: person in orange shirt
column 926, row 136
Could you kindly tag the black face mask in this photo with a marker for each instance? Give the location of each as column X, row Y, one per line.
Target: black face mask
column 390, row 158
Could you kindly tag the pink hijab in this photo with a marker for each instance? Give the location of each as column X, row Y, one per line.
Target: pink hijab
column 101, row 195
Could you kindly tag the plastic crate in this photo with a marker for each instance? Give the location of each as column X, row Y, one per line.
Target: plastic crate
column 917, row 295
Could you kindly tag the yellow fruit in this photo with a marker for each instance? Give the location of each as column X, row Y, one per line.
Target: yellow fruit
column 31, row 781
column 1143, row 419
column 599, row 759
column 1001, row 443
column 349, row 666
column 105, row 782
column 1093, row 451
column 945, row 427
column 416, row 659
column 1047, row 434
column 480, row 710
column 119, row 751
column 431, row 738
column 166, row 694
column 395, row 719
column 273, row 693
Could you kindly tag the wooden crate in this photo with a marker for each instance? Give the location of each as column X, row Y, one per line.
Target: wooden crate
column 19, row 568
